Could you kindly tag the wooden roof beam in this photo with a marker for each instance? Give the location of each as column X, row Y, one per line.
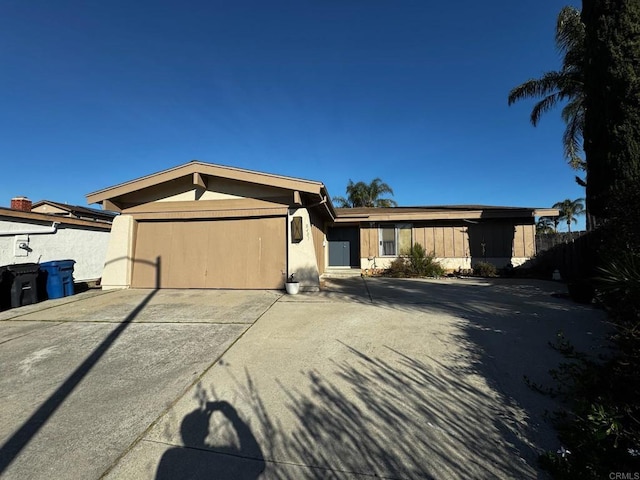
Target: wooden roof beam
column 198, row 180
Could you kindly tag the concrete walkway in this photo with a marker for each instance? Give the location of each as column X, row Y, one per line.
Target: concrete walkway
column 368, row 378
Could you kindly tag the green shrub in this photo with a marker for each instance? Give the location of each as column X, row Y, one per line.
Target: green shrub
column 415, row 263
column 399, row 268
column 485, row 269
column 422, row 263
column 599, row 427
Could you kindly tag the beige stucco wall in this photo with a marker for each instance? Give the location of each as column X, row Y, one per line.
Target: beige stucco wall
column 179, row 197
column 302, row 256
column 119, row 254
column 86, row 246
column 220, row 188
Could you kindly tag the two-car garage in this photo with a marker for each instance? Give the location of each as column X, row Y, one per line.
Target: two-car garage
column 212, row 253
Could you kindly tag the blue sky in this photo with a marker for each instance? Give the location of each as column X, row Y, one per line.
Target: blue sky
column 95, row 93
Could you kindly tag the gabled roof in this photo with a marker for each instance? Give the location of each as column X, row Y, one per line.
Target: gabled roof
column 439, row 212
column 198, row 170
column 210, row 169
column 77, row 210
column 43, row 218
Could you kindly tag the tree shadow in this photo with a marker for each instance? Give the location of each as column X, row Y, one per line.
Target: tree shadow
column 398, row 418
column 464, row 412
column 467, row 413
column 395, row 417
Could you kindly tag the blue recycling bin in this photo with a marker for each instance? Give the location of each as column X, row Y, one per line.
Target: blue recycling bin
column 59, row 278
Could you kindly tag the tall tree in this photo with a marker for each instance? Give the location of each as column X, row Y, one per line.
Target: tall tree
column 570, row 210
column 612, row 89
column 566, row 84
column 547, row 225
column 363, row 194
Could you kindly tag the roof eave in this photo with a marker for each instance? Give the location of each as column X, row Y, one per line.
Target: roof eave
column 546, row 212
column 208, row 169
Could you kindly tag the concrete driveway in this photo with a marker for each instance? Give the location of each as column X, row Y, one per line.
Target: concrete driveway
column 377, row 377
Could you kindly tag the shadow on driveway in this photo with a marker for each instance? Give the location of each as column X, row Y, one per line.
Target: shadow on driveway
column 239, row 459
column 462, row 412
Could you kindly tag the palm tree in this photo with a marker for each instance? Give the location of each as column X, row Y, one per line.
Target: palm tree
column 547, row 225
column 362, row 194
column 569, row 210
column 566, row 84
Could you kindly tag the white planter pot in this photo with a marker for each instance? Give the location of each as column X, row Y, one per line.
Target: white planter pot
column 292, row 287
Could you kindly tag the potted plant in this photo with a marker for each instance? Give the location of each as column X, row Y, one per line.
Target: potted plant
column 292, row 285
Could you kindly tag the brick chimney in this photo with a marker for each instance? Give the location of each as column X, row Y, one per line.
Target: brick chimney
column 21, row 203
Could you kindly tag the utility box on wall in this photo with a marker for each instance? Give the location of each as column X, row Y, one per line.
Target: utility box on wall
column 296, row 230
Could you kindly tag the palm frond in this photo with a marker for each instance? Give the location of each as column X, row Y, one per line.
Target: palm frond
column 572, row 139
column 570, row 30
column 564, row 84
column 341, row 202
column 543, row 106
column 570, row 209
column 385, row 203
column 363, row 194
column 549, row 83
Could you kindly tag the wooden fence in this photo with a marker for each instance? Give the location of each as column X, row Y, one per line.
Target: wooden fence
column 573, row 254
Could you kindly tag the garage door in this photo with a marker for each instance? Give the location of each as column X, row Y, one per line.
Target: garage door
column 240, row 253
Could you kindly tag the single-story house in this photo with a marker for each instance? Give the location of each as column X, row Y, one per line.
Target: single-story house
column 201, row 225
column 72, row 211
column 30, row 237
column 458, row 235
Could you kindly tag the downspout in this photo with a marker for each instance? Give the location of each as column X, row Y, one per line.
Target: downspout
column 48, row 230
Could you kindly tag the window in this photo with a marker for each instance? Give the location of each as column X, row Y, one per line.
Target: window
column 395, row 239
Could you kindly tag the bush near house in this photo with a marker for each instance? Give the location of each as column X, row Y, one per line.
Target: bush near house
column 485, row 269
column 415, row 263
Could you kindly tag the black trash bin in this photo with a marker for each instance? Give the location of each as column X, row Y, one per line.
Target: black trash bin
column 5, row 288
column 24, row 284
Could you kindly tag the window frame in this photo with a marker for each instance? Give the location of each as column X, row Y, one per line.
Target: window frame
column 397, row 227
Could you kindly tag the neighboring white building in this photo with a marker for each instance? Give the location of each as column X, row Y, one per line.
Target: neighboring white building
column 27, row 237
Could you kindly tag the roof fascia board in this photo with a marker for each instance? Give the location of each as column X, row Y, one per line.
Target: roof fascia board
column 390, row 217
column 43, row 217
column 203, row 206
column 205, row 214
column 203, row 169
column 546, row 212
column 436, row 215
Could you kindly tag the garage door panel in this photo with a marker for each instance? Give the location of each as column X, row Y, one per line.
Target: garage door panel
column 242, row 253
column 148, row 256
column 251, row 254
column 189, row 255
